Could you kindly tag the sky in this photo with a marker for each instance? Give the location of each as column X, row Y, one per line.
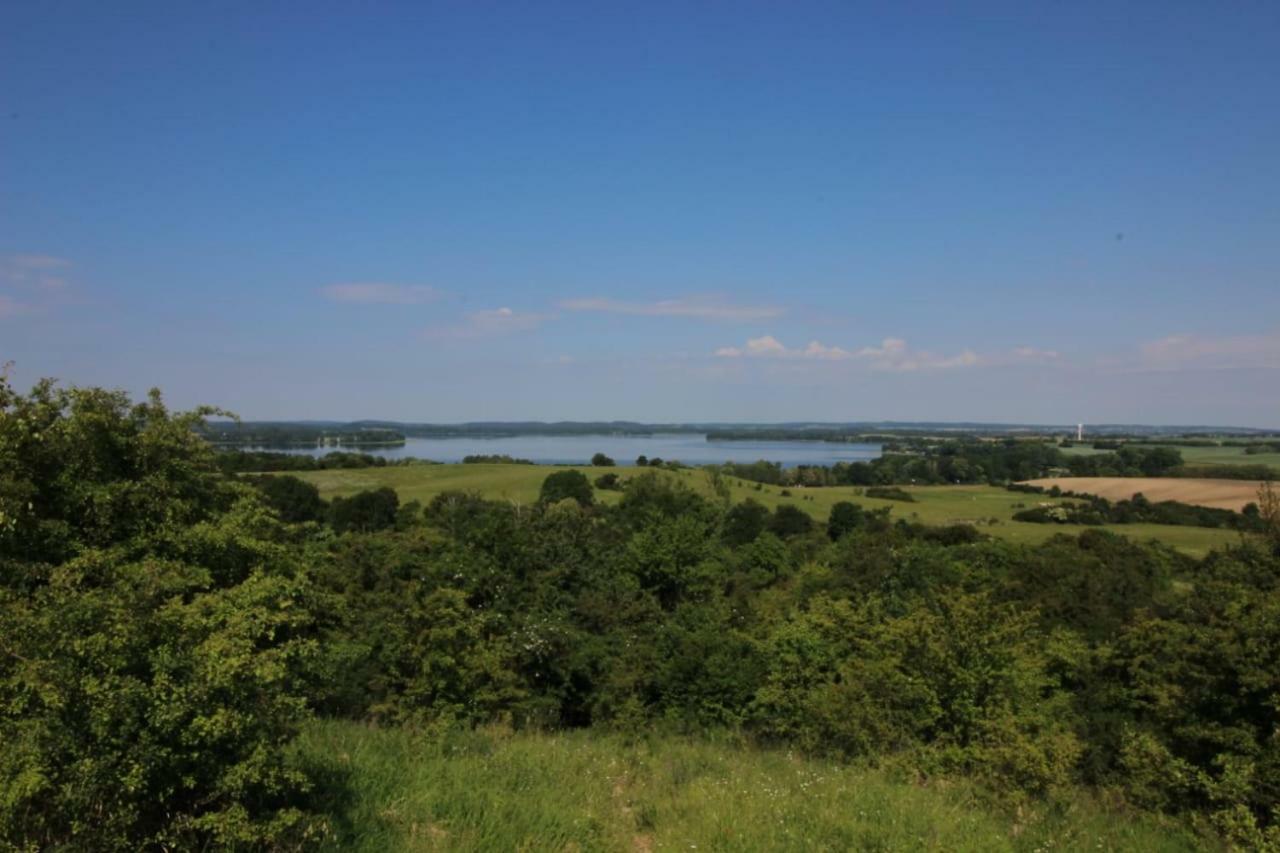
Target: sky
column 1022, row 212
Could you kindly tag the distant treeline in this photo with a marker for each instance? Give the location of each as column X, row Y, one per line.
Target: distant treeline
column 240, row 461
column 966, row 462
column 504, row 429
column 1137, row 510
column 494, row 459
column 297, row 435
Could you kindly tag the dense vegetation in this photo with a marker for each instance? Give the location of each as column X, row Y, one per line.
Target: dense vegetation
column 234, row 461
column 167, row 631
column 493, row 459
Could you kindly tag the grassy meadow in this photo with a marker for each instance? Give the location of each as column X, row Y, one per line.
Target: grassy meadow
column 585, row 791
column 979, row 505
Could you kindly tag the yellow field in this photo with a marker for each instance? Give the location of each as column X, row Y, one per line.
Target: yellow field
column 1220, row 494
column 989, row 508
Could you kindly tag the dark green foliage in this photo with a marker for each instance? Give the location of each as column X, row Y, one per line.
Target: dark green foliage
column 888, row 493
column 608, row 482
column 233, row 461
column 564, row 485
column 1137, row 510
column 494, row 459
column 845, row 518
column 294, row 500
column 929, row 461
column 600, row 460
column 788, row 521
column 745, row 521
column 365, row 512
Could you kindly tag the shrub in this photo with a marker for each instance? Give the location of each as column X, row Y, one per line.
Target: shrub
column 788, row 521
column 566, row 484
column 889, row 493
column 365, row 512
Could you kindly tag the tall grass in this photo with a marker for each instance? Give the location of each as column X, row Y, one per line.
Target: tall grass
column 589, row 791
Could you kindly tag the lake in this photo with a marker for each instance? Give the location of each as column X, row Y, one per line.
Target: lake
column 689, row 448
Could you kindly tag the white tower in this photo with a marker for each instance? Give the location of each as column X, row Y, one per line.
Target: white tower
column 1079, row 432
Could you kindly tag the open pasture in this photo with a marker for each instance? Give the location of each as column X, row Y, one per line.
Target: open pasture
column 1220, row 494
column 989, row 508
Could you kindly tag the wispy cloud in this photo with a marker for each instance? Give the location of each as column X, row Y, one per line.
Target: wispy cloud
column 1185, row 351
column 32, row 284
column 892, row 354
column 496, row 321
column 699, row 308
column 34, row 272
column 380, row 293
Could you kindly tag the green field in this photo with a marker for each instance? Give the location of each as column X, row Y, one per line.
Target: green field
column 492, row 790
column 1226, row 456
column 934, row 504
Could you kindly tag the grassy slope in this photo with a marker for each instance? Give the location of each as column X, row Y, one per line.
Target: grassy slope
column 588, row 791
column 934, row 504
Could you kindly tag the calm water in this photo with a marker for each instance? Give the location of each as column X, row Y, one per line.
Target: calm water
column 689, row 448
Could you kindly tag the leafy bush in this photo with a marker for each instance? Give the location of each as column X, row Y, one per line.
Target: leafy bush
column 154, row 637
column 567, row 485
column 365, row 512
column 889, row 493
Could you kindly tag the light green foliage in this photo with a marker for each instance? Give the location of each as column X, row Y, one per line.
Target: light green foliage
column 963, row 678
column 492, row 790
column 154, row 654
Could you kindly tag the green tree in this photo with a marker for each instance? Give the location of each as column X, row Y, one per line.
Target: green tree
column 745, row 521
column 365, row 512
column 295, row 500
column 788, row 521
column 845, row 517
column 567, row 484
column 601, row 461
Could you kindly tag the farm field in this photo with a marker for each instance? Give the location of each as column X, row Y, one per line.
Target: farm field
column 933, row 504
column 582, row 790
column 1221, row 494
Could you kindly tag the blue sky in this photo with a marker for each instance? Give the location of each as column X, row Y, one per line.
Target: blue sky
column 1037, row 212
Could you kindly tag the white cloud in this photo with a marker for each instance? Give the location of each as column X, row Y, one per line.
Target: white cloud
column 380, row 293
column 893, row 354
column 699, row 308
column 496, row 321
column 1197, row 351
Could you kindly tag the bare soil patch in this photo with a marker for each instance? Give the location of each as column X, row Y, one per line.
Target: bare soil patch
column 1221, row 494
